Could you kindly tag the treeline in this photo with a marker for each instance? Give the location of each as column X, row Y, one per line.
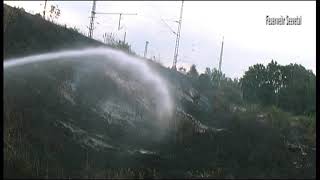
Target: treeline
column 291, row 87
column 214, row 83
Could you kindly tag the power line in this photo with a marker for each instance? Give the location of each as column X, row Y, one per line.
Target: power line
column 158, row 19
column 120, row 15
column 169, row 27
column 164, row 22
column 93, row 13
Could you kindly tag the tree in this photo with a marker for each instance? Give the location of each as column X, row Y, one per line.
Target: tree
column 253, row 84
column 290, row 87
column 54, row 12
column 208, row 84
column 182, row 69
column 208, row 71
column 193, row 71
column 7, row 18
column 298, row 92
column 216, row 76
column 204, row 82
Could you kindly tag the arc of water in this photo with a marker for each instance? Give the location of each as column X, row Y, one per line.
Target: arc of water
column 165, row 101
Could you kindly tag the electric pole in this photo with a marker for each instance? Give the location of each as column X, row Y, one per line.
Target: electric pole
column 159, row 57
column 220, row 62
column 44, row 9
column 91, row 27
column 176, row 49
column 92, row 17
column 124, row 38
column 145, row 49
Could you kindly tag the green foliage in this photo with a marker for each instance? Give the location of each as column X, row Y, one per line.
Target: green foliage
column 214, row 82
column 193, row 71
column 204, row 82
column 298, row 93
column 251, row 81
column 289, row 87
column 215, row 76
column 182, row 70
column 54, row 12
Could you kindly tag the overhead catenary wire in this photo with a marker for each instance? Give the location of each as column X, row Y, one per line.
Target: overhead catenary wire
column 93, row 13
column 175, row 33
column 160, row 20
column 164, row 22
column 169, row 27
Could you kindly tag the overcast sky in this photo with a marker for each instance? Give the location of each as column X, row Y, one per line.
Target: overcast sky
column 247, row 38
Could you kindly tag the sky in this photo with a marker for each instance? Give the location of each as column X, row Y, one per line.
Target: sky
column 247, row 38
